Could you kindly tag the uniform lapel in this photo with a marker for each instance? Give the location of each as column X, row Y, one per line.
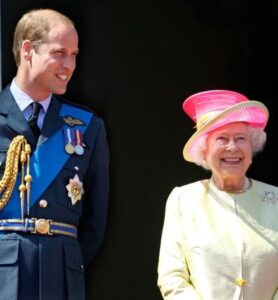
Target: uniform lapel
column 52, row 121
column 14, row 117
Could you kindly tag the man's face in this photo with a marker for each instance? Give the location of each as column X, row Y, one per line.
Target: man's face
column 53, row 63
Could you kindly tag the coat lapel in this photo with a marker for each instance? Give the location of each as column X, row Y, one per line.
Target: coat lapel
column 14, row 117
column 52, row 121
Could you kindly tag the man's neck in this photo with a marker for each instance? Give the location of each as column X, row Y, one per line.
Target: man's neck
column 26, row 85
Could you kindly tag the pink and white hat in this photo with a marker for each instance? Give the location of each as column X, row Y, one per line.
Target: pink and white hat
column 216, row 108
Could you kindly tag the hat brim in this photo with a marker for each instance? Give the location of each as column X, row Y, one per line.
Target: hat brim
column 252, row 112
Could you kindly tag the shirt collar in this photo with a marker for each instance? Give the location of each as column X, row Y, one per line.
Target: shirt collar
column 23, row 100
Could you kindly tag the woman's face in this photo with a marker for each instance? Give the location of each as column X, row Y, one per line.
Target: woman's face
column 229, row 151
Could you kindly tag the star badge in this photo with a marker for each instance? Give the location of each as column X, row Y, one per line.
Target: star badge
column 75, row 189
column 269, row 197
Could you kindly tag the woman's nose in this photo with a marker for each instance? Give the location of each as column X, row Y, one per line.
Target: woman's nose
column 231, row 146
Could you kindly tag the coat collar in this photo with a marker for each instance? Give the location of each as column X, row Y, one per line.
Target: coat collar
column 14, row 117
column 16, row 121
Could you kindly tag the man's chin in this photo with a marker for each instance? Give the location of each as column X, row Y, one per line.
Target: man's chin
column 59, row 91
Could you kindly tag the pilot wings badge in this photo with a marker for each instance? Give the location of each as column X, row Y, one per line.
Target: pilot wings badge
column 70, row 121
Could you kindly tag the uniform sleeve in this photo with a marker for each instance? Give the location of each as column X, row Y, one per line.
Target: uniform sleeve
column 92, row 224
column 173, row 273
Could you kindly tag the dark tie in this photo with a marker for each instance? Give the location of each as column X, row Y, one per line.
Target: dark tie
column 33, row 120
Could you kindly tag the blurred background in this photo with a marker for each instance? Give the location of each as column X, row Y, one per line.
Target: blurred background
column 138, row 61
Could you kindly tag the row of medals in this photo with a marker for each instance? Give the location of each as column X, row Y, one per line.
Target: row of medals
column 73, row 141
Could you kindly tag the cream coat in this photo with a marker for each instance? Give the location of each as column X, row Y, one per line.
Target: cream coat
column 211, row 239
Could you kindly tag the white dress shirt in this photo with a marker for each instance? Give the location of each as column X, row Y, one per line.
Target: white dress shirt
column 25, row 103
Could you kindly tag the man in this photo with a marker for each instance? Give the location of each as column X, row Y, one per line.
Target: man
column 53, row 208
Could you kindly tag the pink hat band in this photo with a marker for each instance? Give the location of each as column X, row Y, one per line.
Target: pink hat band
column 251, row 115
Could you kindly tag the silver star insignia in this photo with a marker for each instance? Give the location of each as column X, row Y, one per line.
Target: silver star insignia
column 269, row 197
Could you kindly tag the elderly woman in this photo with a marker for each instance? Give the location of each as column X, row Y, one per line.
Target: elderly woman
column 220, row 235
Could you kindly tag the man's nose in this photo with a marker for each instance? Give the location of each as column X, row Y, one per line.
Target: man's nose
column 70, row 63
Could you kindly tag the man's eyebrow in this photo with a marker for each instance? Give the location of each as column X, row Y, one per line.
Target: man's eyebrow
column 64, row 49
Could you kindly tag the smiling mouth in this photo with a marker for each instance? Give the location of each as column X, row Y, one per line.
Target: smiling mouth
column 62, row 77
column 231, row 161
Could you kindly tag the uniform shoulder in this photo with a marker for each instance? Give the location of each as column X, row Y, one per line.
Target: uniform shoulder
column 78, row 105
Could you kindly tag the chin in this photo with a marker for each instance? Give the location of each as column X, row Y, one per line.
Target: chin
column 60, row 91
column 234, row 172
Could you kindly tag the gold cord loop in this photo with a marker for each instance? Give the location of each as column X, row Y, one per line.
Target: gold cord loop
column 18, row 152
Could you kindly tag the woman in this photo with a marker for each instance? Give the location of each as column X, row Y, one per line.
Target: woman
column 220, row 235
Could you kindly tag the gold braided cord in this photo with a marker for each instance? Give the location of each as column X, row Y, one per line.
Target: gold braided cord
column 18, row 152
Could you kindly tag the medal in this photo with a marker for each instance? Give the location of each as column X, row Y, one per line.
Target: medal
column 68, row 141
column 78, row 148
column 69, row 148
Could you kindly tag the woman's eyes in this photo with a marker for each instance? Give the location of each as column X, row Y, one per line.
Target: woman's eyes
column 240, row 138
column 224, row 140
column 221, row 139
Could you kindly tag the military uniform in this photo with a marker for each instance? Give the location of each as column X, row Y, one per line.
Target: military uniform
column 45, row 256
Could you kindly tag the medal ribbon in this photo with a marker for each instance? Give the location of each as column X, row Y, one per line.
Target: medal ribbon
column 77, row 137
column 68, row 140
column 67, row 136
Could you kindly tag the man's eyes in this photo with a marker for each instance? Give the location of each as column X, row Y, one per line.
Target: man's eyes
column 63, row 53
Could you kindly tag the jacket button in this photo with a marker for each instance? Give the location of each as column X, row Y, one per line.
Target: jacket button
column 240, row 282
column 43, row 203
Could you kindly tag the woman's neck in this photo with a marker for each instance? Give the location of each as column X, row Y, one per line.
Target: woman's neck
column 231, row 184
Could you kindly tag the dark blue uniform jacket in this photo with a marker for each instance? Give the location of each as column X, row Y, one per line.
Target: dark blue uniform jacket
column 34, row 266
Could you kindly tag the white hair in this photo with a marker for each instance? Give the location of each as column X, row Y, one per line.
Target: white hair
column 258, row 139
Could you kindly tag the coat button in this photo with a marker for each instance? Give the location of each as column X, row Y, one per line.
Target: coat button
column 43, row 203
column 240, row 282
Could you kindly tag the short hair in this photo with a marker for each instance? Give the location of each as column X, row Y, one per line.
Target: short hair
column 35, row 26
column 258, row 140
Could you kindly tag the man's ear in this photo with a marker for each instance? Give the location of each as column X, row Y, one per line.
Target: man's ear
column 26, row 49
